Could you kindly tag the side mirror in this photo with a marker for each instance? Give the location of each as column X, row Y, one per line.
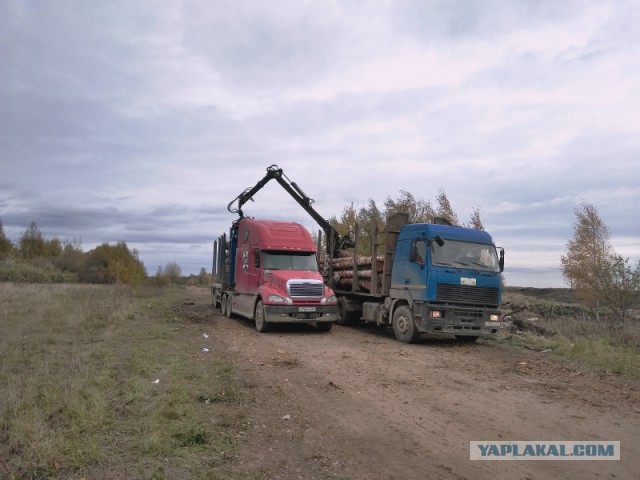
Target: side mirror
column 501, row 260
column 256, row 258
column 438, row 239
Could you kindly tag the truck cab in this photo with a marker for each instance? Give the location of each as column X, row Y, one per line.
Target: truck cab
column 450, row 278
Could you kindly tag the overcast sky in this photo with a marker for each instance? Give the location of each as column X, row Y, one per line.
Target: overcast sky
column 140, row 121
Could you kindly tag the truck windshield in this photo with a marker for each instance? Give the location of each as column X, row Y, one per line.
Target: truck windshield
column 459, row 254
column 289, row 261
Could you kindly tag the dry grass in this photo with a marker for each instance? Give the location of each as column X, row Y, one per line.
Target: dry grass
column 610, row 346
column 77, row 392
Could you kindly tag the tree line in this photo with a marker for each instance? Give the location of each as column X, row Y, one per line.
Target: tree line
column 371, row 218
column 38, row 260
column 34, row 259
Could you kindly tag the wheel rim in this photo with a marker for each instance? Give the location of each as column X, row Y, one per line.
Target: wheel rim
column 403, row 324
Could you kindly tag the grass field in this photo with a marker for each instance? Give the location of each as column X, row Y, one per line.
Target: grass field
column 104, row 382
column 107, row 382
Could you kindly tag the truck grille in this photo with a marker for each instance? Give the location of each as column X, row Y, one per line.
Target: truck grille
column 465, row 313
column 305, row 288
column 467, row 294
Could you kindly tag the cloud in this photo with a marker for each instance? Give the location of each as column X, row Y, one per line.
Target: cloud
column 138, row 122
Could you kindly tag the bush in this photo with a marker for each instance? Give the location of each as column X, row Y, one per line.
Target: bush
column 37, row 270
column 113, row 264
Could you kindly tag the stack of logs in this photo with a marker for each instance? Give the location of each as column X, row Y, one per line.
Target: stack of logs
column 344, row 268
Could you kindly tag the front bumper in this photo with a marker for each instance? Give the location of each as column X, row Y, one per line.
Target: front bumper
column 467, row 321
column 300, row 313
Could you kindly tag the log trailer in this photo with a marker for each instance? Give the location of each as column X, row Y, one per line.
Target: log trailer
column 431, row 278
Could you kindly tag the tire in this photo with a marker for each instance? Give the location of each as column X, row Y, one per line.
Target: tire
column 466, row 338
column 227, row 307
column 223, row 305
column 345, row 317
column 261, row 324
column 324, row 326
column 404, row 328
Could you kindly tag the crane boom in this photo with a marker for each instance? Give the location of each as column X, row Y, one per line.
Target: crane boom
column 273, row 172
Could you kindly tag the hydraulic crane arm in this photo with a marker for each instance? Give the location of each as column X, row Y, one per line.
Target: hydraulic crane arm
column 273, row 172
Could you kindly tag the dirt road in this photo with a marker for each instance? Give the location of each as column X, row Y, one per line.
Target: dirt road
column 355, row 403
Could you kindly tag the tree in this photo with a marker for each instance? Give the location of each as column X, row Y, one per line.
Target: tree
column 113, row 264
column 203, row 277
column 168, row 274
column 173, row 271
column 161, row 279
column 345, row 225
column 444, row 209
column 53, row 247
column 599, row 276
column 72, row 247
column 6, row 247
column 369, row 220
column 71, row 258
column 32, row 242
column 475, row 221
column 623, row 290
column 420, row 211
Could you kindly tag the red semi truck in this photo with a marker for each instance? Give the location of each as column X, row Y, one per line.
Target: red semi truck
column 267, row 271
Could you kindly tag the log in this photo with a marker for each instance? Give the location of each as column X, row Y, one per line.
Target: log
column 343, row 268
column 346, row 284
column 362, row 261
column 349, row 273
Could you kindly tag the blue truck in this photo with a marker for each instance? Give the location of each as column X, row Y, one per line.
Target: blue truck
column 431, row 278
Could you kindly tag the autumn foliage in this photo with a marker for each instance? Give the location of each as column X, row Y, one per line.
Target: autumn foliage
column 601, row 278
column 38, row 260
column 113, row 264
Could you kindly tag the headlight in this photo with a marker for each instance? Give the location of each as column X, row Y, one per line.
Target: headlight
column 273, row 298
column 435, row 314
column 330, row 299
column 494, row 317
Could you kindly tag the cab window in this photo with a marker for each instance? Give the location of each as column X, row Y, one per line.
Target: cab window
column 418, row 251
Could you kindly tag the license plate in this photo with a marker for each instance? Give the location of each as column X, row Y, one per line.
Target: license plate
column 307, row 309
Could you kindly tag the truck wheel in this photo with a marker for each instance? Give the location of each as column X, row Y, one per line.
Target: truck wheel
column 261, row 324
column 223, row 304
column 466, row 338
column 324, row 326
column 228, row 311
column 404, row 327
column 227, row 306
column 345, row 317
